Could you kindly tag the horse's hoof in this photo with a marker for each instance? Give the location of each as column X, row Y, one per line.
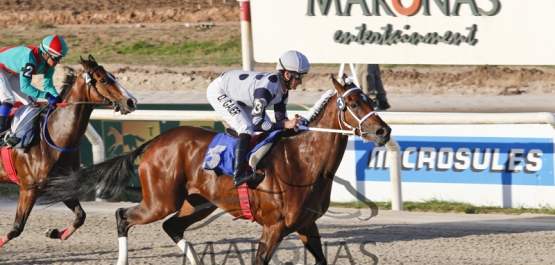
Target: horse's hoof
column 52, row 233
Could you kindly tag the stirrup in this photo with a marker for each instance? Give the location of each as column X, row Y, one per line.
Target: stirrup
column 9, row 140
column 242, row 177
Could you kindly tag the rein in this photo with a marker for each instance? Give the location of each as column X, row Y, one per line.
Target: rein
column 87, row 76
column 65, row 104
column 45, row 132
column 340, row 103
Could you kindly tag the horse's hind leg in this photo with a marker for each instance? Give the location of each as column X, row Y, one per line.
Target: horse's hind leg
column 310, row 236
column 27, row 199
column 176, row 225
column 143, row 213
column 80, row 216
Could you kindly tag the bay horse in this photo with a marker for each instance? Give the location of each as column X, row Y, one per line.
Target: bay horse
column 296, row 191
column 56, row 151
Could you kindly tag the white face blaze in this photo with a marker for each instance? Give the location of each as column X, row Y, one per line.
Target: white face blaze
column 124, row 91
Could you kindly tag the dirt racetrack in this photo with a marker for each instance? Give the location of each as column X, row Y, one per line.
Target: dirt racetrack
column 389, row 238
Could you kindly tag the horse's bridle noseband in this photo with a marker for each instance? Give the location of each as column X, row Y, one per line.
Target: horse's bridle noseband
column 342, row 106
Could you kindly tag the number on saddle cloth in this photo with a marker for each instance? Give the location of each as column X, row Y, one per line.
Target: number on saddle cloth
column 24, row 125
column 220, row 154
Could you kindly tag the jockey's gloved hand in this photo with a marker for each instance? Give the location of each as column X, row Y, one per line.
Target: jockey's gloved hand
column 304, row 121
column 52, row 99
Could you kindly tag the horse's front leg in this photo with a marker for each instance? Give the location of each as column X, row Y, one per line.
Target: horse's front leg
column 80, row 216
column 310, row 236
column 27, row 199
column 269, row 242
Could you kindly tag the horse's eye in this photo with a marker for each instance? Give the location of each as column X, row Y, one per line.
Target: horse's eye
column 353, row 105
column 103, row 80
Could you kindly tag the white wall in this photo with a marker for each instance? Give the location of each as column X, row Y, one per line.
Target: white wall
column 508, row 165
column 485, row 180
column 519, row 33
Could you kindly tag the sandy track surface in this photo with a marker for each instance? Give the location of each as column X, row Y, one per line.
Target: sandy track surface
column 389, row 238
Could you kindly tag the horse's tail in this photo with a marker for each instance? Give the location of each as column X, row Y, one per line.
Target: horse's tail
column 108, row 178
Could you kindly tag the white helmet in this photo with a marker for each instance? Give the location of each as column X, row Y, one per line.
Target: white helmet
column 293, row 61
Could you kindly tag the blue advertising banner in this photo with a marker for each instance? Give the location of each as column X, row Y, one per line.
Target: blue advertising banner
column 469, row 160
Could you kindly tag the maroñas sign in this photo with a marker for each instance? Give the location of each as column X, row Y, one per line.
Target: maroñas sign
column 470, row 32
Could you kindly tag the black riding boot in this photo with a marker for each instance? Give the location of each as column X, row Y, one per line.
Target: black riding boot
column 3, row 123
column 241, row 176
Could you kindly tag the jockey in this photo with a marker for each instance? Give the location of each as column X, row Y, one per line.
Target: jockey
column 17, row 67
column 241, row 98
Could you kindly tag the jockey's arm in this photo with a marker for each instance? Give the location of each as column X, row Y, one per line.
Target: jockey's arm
column 281, row 116
column 49, row 83
column 261, row 98
column 26, row 87
column 259, row 121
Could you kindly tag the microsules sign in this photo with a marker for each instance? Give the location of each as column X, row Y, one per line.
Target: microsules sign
column 468, row 160
column 502, row 32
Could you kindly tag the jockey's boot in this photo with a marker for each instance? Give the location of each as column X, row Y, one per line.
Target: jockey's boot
column 3, row 124
column 241, row 176
column 5, row 109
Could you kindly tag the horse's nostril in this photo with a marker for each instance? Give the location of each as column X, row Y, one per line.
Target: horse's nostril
column 131, row 103
column 382, row 132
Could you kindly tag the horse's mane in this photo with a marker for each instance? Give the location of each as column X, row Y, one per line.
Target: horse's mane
column 320, row 104
column 68, row 82
column 71, row 77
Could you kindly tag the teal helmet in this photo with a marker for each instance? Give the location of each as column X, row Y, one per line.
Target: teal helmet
column 54, row 45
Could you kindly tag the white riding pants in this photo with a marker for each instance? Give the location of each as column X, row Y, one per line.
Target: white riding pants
column 237, row 117
column 9, row 84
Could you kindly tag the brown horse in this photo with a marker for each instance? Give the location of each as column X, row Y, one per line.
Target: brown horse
column 295, row 192
column 56, row 150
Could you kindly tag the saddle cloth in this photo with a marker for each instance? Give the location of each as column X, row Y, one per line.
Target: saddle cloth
column 220, row 154
column 23, row 124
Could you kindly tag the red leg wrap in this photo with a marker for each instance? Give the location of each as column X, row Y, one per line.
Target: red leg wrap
column 4, row 240
column 67, row 232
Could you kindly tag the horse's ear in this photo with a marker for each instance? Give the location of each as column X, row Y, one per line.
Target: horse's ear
column 83, row 62
column 91, row 58
column 345, row 78
column 340, row 89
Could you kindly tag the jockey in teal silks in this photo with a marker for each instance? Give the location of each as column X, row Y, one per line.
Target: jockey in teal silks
column 18, row 64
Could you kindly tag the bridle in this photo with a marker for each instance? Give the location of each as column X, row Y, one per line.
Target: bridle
column 90, row 82
column 343, row 108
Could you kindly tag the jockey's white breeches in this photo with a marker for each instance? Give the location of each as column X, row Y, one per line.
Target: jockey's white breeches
column 9, row 84
column 236, row 116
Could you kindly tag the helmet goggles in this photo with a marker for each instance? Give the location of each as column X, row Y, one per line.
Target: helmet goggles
column 295, row 74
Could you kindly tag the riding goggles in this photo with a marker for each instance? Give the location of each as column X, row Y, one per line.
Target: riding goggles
column 55, row 58
column 297, row 76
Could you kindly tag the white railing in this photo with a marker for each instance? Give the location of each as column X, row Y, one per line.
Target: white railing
column 389, row 117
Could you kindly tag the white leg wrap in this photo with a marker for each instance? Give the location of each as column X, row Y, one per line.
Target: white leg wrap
column 122, row 258
column 187, row 248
